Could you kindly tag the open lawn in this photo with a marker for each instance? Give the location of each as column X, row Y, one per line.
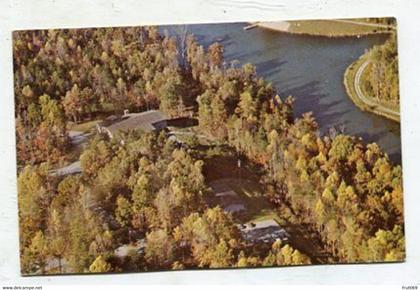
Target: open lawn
column 328, row 28
column 332, row 28
column 249, row 193
column 267, row 214
column 85, row 126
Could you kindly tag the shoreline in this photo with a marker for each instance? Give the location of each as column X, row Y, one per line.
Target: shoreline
column 294, row 27
column 351, row 80
column 353, row 71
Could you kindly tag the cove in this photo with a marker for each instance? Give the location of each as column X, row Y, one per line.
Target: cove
column 311, row 69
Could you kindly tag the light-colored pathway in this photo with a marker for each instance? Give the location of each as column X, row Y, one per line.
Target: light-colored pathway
column 369, row 101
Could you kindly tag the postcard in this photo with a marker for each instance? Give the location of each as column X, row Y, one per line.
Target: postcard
column 208, row 146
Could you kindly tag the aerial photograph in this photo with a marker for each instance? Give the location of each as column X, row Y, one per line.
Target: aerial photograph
column 227, row 145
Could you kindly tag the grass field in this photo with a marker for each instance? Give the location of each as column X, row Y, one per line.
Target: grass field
column 328, row 28
column 332, row 28
column 250, row 193
column 267, row 214
column 84, row 127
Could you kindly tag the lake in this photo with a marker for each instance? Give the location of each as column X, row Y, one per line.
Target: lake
column 311, row 69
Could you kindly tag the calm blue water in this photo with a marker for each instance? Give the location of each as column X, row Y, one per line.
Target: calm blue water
column 310, row 69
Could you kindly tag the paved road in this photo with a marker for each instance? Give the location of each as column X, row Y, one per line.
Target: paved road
column 369, row 101
column 77, row 137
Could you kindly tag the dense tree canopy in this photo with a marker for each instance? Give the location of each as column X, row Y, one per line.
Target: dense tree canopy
column 76, row 74
column 381, row 79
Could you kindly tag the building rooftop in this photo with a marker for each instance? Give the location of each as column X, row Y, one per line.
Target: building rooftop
column 267, row 231
column 130, row 121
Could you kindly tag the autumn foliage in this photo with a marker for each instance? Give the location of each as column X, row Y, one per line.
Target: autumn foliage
column 145, row 186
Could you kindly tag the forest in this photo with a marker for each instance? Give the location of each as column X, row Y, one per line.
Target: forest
column 381, row 78
column 144, row 185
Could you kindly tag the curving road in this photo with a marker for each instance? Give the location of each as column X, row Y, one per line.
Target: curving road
column 369, row 101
